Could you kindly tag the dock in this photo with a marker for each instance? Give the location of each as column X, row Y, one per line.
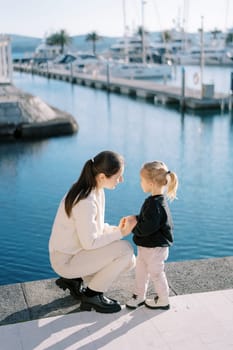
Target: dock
column 147, row 90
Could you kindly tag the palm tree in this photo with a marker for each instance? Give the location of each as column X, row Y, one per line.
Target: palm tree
column 141, row 32
column 229, row 38
column 59, row 38
column 166, row 36
column 215, row 32
column 93, row 37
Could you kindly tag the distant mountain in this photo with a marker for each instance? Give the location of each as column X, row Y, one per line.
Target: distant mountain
column 25, row 44
column 22, row 45
column 79, row 42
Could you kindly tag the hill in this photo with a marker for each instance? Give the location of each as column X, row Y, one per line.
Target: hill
column 79, row 43
column 26, row 44
column 23, row 44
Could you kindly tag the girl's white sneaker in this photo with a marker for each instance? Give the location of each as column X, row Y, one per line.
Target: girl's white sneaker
column 135, row 302
column 158, row 303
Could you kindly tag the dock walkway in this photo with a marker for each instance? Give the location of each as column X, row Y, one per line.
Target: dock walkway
column 144, row 89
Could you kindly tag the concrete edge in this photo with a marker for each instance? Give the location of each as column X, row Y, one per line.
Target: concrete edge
column 38, row 299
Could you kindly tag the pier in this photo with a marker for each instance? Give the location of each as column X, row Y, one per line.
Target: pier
column 165, row 94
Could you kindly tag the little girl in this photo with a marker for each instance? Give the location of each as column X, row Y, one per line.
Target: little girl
column 153, row 234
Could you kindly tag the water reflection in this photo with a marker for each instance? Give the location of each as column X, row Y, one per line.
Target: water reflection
column 14, row 151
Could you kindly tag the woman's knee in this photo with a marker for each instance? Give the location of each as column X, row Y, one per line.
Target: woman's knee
column 128, row 252
column 124, row 247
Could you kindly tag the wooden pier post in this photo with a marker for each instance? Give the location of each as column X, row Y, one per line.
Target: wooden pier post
column 182, row 100
column 108, row 76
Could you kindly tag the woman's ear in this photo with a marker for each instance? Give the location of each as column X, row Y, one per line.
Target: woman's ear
column 100, row 177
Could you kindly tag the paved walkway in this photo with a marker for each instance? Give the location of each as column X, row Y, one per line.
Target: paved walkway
column 38, row 315
column 200, row 321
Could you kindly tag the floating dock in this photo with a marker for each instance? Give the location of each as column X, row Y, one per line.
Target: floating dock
column 144, row 89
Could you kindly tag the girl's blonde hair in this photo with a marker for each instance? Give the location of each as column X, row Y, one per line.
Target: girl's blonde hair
column 158, row 172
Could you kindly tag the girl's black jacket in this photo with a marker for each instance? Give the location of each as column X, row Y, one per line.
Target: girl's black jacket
column 154, row 226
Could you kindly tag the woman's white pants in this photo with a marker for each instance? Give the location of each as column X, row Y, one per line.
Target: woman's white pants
column 99, row 268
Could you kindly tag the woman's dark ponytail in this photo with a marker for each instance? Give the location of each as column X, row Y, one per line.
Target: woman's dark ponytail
column 106, row 162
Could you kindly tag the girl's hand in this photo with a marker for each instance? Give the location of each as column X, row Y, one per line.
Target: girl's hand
column 122, row 223
column 132, row 220
column 127, row 224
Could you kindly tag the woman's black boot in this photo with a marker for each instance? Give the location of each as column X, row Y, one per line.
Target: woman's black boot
column 75, row 286
column 99, row 303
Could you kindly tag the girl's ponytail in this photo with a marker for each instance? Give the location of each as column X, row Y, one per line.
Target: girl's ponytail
column 172, row 185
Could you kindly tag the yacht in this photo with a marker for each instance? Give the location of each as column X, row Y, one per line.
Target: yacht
column 214, row 51
column 79, row 62
column 211, row 56
column 131, row 49
column 139, row 70
column 46, row 52
column 129, row 59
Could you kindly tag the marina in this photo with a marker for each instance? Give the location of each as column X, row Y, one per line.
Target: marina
column 162, row 95
column 204, row 98
column 187, row 123
column 34, row 175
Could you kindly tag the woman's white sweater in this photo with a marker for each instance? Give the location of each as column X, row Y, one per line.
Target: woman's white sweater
column 85, row 228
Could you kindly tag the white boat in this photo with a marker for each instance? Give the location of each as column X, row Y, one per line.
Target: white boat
column 213, row 51
column 87, row 63
column 46, row 52
column 135, row 56
column 77, row 62
column 212, row 56
column 130, row 49
column 139, row 70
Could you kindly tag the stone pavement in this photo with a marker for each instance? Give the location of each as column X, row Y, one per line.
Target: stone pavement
column 200, row 318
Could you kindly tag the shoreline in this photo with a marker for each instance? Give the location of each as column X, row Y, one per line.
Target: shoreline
column 27, row 301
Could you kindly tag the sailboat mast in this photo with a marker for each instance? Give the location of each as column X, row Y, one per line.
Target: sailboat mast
column 143, row 33
column 202, row 49
column 125, row 33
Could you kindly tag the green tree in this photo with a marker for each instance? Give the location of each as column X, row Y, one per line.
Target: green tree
column 166, row 36
column 215, row 32
column 229, row 38
column 93, row 37
column 142, row 33
column 60, row 38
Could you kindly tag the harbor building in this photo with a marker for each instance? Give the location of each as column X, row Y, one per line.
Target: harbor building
column 5, row 60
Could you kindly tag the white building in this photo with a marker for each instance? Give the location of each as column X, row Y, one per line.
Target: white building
column 5, row 60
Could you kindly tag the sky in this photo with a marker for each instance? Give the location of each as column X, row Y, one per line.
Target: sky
column 40, row 18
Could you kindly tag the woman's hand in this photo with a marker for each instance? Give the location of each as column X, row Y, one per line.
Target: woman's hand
column 127, row 224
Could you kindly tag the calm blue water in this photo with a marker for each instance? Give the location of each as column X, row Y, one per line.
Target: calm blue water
column 34, row 176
